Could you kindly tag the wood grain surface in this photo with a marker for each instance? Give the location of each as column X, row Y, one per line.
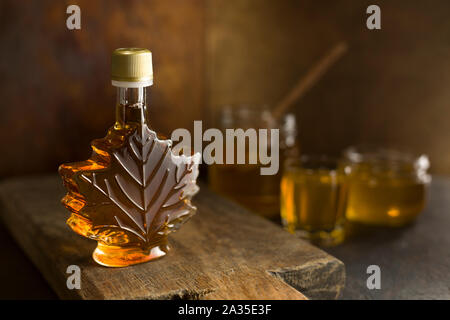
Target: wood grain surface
column 224, row 252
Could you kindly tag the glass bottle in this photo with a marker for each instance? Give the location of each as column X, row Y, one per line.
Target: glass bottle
column 133, row 191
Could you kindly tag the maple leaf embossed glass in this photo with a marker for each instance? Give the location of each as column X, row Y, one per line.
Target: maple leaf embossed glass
column 133, row 191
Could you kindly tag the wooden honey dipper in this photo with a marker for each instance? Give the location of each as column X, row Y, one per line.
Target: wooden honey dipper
column 309, row 80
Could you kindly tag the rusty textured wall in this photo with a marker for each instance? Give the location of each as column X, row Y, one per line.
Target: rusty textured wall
column 55, row 83
column 390, row 89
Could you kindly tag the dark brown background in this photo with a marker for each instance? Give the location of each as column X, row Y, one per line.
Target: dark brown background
column 391, row 88
column 56, row 89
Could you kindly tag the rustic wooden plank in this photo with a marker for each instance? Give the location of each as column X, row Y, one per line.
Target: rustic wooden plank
column 224, row 252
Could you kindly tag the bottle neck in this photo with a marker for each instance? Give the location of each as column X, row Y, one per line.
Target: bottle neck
column 131, row 107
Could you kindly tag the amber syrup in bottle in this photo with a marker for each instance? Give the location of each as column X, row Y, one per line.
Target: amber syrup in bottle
column 133, row 191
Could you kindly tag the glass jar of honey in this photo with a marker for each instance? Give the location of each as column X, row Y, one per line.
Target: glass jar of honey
column 313, row 199
column 386, row 187
column 244, row 183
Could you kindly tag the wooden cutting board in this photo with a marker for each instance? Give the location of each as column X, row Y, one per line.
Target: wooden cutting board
column 223, row 252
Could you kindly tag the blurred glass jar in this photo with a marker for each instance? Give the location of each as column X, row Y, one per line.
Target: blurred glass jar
column 243, row 182
column 386, row 187
column 313, row 199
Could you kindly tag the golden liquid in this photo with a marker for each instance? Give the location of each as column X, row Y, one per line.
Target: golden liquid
column 244, row 184
column 128, row 196
column 313, row 202
column 380, row 197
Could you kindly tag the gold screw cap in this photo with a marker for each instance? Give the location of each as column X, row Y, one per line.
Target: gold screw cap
column 131, row 67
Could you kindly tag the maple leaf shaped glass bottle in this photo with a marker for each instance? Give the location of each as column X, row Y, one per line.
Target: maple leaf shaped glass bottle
column 133, row 191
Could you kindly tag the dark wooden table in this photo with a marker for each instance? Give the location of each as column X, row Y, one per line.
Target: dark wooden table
column 414, row 261
column 222, row 253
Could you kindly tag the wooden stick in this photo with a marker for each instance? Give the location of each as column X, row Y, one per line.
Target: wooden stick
column 309, row 80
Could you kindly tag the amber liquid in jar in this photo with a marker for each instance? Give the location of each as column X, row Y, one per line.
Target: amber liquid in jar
column 386, row 189
column 313, row 200
column 244, row 183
